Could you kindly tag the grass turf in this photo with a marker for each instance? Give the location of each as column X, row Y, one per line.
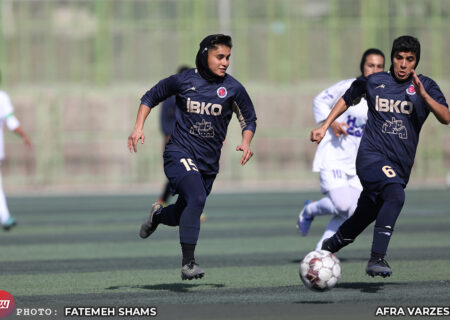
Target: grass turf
column 86, row 251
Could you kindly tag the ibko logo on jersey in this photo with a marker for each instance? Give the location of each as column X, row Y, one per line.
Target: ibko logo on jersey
column 203, row 107
column 390, row 105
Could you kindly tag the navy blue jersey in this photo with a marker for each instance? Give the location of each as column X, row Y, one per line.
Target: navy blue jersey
column 395, row 117
column 205, row 112
column 168, row 115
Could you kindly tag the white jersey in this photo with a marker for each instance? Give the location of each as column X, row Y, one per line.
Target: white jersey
column 6, row 115
column 333, row 152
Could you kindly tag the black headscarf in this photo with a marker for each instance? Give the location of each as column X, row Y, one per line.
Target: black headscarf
column 201, row 61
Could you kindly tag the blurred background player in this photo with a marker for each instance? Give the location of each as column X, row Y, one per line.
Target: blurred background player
column 205, row 97
column 168, row 117
column 336, row 154
column 7, row 117
column 399, row 103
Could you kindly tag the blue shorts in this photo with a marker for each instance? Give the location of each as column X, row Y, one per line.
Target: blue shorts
column 178, row 165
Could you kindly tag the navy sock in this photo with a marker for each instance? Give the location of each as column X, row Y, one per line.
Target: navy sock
column 392, row 199
column 170, row 215
column 187, row 209
column 376, row 256
column 157, row 217
column 336, row 243
column 365, row 213
column 193, row 192
column 381, row 238
column 188, row 253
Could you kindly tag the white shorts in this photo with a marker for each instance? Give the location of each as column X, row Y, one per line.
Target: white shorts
column 336, row 178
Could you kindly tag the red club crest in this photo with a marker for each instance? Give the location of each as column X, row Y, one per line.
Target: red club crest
column 222, row 92
column 411, row 90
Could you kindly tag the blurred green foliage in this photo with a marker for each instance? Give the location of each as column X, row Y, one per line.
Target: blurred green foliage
column 287, row 41
column 76, row 69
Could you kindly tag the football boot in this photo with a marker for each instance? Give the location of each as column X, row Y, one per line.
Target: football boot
column 378, row 267
column 304, row 220
column 191, row 271
column 149, row 226
column 11, row 222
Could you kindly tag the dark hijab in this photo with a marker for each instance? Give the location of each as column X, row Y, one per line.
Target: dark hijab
column 201, row 61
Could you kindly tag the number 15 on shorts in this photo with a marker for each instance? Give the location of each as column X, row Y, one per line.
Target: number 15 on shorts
column 189, row 164
column 388, row 171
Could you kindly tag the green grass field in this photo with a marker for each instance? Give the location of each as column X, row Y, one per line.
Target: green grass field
column 81, row 251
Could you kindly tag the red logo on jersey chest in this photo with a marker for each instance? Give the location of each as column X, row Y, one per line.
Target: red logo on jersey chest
column 222, row 92
column 411, row 90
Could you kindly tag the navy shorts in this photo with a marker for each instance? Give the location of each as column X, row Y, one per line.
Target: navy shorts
column 377, row 173
column 178, row 165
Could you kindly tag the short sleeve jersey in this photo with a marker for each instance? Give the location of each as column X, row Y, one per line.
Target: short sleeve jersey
column 339, row 152
column 205, row 109
column 395, row 118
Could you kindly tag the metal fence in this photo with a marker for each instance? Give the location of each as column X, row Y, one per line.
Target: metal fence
column 75, row 70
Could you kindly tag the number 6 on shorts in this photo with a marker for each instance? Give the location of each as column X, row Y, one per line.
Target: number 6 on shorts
column 388, row 171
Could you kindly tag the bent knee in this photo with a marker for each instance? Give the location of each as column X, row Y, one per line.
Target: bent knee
column 197, row 200
column 394, row 194
column 345, row 207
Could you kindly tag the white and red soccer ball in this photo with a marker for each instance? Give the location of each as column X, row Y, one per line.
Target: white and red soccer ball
column 320, row 270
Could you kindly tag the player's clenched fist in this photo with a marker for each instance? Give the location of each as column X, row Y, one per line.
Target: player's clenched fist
column 317, row 134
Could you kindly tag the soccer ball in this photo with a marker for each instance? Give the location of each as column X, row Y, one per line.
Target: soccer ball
column 320, row 270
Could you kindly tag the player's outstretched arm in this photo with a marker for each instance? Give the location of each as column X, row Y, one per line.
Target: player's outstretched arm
column 318, row 134
column 247, row 152
column 24, row 137
column 138, row 133
column 440, row 111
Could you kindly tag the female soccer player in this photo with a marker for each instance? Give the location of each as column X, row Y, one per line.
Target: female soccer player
column 206, row 98
column 335, row 157
column 399, row 102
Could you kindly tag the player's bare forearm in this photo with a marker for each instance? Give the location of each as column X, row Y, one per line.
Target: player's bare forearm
column 142, row 114
column 440, row 111
column 24, row 136
column 338, row 109
column 138, row 133
column 247, row 152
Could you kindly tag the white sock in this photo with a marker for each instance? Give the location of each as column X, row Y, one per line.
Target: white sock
column 331, row 229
